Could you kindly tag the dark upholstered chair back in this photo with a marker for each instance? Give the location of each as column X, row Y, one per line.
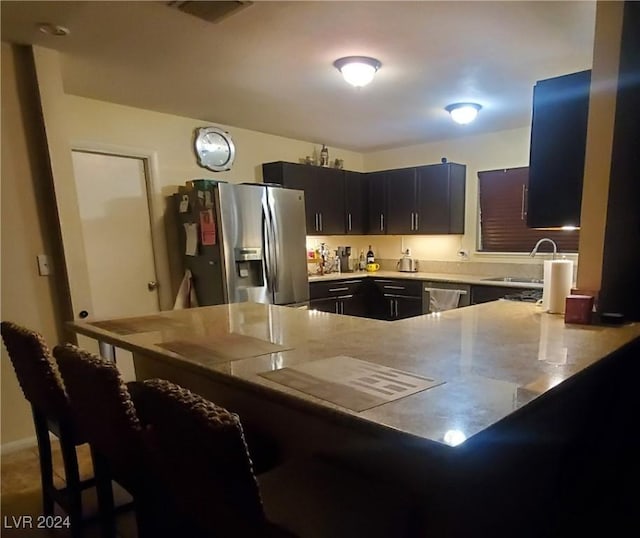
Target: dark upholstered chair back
column 36, row 370
column 102, row 406
column 201, row 455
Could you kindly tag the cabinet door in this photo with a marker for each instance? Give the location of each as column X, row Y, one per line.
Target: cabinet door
column 401, row 201
column 408, row 307
column 558, row 142
column 296, row 176
column 327, row 189
column 325, row 305
column 323, row 193
column 354, row 306
column 441, row 196
column 355, row 203
column 377, row 197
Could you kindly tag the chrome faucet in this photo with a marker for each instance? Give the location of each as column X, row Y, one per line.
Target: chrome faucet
column 535, row 249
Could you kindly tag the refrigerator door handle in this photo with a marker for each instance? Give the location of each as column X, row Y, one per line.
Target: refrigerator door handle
column 266, row 240
column 272, row 226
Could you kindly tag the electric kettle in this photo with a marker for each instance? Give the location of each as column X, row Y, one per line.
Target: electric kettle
column 407, row 265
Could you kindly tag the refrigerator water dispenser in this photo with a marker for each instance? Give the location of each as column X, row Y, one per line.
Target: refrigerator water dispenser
column 249, row 266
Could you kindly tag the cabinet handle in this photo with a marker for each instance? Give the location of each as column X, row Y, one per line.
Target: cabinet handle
column 522, row 205
column 320, row 215
column 338, row 289
column 349, row 221
column 337, row 303
column 396, row 302
column 316, row 224
column 381, row 222
column 412, row 221
column 390, row 308
column 342, row 307
column 392, row 288
column 416, row 222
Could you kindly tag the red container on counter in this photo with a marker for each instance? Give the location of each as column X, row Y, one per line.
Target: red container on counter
column 578, row 309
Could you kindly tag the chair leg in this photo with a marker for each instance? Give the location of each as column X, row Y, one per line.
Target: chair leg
column 104, row 490
column 72, row 478
column 46, row 465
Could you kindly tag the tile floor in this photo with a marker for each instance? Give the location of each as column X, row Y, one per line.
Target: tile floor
column 21, row 495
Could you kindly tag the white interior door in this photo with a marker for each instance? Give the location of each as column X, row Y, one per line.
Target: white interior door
column 116, row 233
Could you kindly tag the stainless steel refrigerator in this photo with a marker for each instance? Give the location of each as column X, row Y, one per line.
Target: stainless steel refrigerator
column 254, row 248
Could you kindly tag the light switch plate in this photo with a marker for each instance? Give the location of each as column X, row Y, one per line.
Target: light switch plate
column 43, row 265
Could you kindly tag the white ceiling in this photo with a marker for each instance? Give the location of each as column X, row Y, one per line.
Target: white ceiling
column 269, row 66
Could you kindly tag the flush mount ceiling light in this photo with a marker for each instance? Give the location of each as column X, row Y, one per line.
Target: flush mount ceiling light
column 463, row 113
column 357, row 70
column 53, row 29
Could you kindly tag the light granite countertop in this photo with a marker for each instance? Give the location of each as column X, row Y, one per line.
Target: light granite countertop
column 441, row 277
column 490, row 359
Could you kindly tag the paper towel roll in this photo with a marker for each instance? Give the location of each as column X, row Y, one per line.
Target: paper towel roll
column 557, row 284
column 546, row 281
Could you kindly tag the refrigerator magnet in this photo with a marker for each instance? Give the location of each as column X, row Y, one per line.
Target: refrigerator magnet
column 207, row 227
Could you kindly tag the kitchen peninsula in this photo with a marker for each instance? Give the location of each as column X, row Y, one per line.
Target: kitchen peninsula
column 511, row 386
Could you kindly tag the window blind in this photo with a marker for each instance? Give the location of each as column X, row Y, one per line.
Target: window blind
column 503, row 217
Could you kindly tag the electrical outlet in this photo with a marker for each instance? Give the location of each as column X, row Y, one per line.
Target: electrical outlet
column 407, row 251
column 43, row 265
column 463, row 253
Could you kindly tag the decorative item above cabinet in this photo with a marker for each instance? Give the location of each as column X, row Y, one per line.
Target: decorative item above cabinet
column 558, row 141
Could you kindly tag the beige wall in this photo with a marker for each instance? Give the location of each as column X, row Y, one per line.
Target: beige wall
column 597, row 167
column 100, row 124
column 27, row 298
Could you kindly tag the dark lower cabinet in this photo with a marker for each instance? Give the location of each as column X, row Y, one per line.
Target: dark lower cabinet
column 345, row 297
column 400, row 307
column 349, row 305
column 392, row 299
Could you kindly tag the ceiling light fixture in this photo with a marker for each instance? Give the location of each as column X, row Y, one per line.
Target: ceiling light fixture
column 463, row 113
column 357, row 70
column 53, row 29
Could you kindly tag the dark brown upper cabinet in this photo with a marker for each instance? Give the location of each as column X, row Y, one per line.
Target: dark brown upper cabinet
column 404, row 201
column 355, row 201
column 558, row 141
column 440, row 199
column 323, row 193
column 377, row 202
column 401, row 201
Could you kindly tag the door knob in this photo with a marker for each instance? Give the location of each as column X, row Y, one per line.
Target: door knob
column 152, row 285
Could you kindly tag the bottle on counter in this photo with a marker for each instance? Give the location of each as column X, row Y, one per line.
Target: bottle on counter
column 361, row 261
column 370, row 257
column 324, row 156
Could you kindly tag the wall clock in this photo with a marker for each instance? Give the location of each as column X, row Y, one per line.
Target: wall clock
column 214, row 148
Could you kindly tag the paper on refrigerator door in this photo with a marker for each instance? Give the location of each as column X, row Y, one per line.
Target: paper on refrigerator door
column 191, row 234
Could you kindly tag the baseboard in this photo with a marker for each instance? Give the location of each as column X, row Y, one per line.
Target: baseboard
column 21, row 444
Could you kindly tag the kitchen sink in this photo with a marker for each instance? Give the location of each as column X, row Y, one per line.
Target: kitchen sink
column 516, row 279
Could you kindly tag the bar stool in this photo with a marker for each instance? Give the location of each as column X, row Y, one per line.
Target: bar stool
column 198, row 452
column 102, row 406
column 42, row 386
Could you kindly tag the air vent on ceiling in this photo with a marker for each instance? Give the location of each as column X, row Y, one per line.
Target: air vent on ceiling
column 210, row 11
